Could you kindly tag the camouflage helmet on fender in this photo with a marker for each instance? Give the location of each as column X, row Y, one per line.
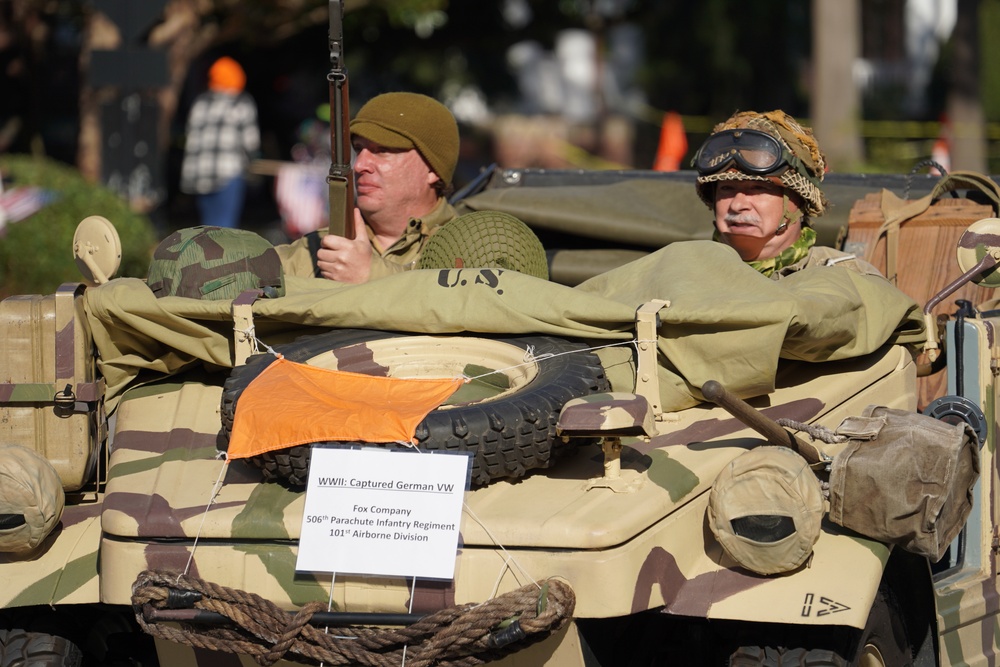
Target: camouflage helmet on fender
column 766, row 510
column 763, row 146
column 215, row 263
column 31, row 498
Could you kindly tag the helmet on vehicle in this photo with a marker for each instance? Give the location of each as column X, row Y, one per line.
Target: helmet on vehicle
column 215, row 263
column 31, row 498
column 766, row 508
column 763, row 146
column 484, row 239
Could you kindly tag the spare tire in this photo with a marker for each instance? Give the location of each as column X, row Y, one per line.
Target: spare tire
column 506, row 417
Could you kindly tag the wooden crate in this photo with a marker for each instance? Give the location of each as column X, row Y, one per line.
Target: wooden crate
column 925, row 260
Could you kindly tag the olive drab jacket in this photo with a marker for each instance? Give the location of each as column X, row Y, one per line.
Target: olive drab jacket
column 299, row 257
column 825, row 256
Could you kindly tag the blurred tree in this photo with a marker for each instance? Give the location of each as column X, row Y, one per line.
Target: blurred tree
column 710, row 58
column 702, row 59
column 192, row 29
column 964, row 106
column 836, row 109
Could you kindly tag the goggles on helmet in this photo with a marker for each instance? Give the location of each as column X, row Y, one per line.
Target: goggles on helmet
column 752, row 151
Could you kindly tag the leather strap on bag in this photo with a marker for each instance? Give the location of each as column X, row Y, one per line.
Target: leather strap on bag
column 245, row 339
column 896, row 211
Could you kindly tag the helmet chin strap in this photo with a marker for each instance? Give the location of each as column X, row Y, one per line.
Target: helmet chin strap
column 790, row 215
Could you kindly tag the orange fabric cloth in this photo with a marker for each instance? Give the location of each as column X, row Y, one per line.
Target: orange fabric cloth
column 292, row 404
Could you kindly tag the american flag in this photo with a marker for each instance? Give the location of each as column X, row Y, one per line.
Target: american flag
column 18, row 203
column 302, row 195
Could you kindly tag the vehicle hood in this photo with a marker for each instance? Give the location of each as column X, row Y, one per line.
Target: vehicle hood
column 172, row 484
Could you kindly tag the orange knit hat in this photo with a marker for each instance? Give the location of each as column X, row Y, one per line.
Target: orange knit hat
column 226, row 74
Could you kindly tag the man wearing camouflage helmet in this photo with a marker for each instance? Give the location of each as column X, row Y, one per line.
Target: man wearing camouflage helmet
column 406, row 148
column 761, row 173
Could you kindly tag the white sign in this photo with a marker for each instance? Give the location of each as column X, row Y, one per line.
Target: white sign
column 382, row 512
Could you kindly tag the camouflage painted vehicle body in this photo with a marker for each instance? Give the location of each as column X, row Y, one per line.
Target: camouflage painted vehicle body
column 652, row 585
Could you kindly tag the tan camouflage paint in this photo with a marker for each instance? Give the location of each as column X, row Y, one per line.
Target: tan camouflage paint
column 47, row 347
column 63, row 569
column 161, row 481
column 622, row 552
column 967, row 600
column 608, row 414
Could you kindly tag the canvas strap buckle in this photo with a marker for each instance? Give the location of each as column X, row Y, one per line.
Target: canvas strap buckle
column 244, row 337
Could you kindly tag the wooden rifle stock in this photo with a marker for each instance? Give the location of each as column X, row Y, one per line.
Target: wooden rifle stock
column 341, row 176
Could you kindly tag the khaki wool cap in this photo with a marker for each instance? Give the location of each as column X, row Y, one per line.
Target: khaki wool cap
column 410, row 120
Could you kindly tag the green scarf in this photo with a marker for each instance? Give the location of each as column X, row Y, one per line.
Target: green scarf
column 787, row 257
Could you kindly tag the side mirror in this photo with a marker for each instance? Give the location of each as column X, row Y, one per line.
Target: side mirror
column 980, row 239
column 978, row 256
column 97, row 249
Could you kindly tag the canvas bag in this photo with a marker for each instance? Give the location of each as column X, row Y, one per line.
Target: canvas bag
column 904, row 478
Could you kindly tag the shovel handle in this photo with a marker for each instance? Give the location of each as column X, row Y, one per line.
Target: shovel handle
column 772, row 431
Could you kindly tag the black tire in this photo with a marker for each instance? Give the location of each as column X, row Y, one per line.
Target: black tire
column 20, row 648
column 883, row 642
column 509, row 434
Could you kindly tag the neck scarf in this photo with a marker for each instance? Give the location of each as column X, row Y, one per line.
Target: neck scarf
column 787, row 257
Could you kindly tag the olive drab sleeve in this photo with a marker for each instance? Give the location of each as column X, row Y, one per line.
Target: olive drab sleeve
column 298, row 258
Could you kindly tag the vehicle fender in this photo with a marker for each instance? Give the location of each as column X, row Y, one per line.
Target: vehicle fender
column 836, row 585
column 63, row 568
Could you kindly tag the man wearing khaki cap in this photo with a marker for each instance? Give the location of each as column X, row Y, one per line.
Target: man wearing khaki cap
column 406, row 148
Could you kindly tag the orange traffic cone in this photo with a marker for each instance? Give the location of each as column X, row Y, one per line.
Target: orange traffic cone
column 941, row 150
column 673, row 143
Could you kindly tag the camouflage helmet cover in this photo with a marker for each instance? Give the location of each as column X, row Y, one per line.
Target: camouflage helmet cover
column 486, row 239
column 32, row 492
column 797, row 139
column 766, row 508
column 215, row 263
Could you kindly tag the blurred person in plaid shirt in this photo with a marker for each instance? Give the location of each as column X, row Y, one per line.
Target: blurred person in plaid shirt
column 222, row 138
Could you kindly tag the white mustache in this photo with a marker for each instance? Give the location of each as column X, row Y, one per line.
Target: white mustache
column 742, row 219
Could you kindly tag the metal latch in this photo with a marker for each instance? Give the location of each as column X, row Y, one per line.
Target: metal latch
column 647, row 381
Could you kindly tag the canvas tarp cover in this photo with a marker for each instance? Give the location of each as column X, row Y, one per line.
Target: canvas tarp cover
column 648, row 213
column 628, row 212
column 725, row 321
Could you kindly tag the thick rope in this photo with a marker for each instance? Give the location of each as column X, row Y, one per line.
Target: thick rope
column 815, row 431
column 461, row 635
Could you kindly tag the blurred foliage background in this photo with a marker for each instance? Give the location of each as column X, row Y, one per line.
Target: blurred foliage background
column 37, row 256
